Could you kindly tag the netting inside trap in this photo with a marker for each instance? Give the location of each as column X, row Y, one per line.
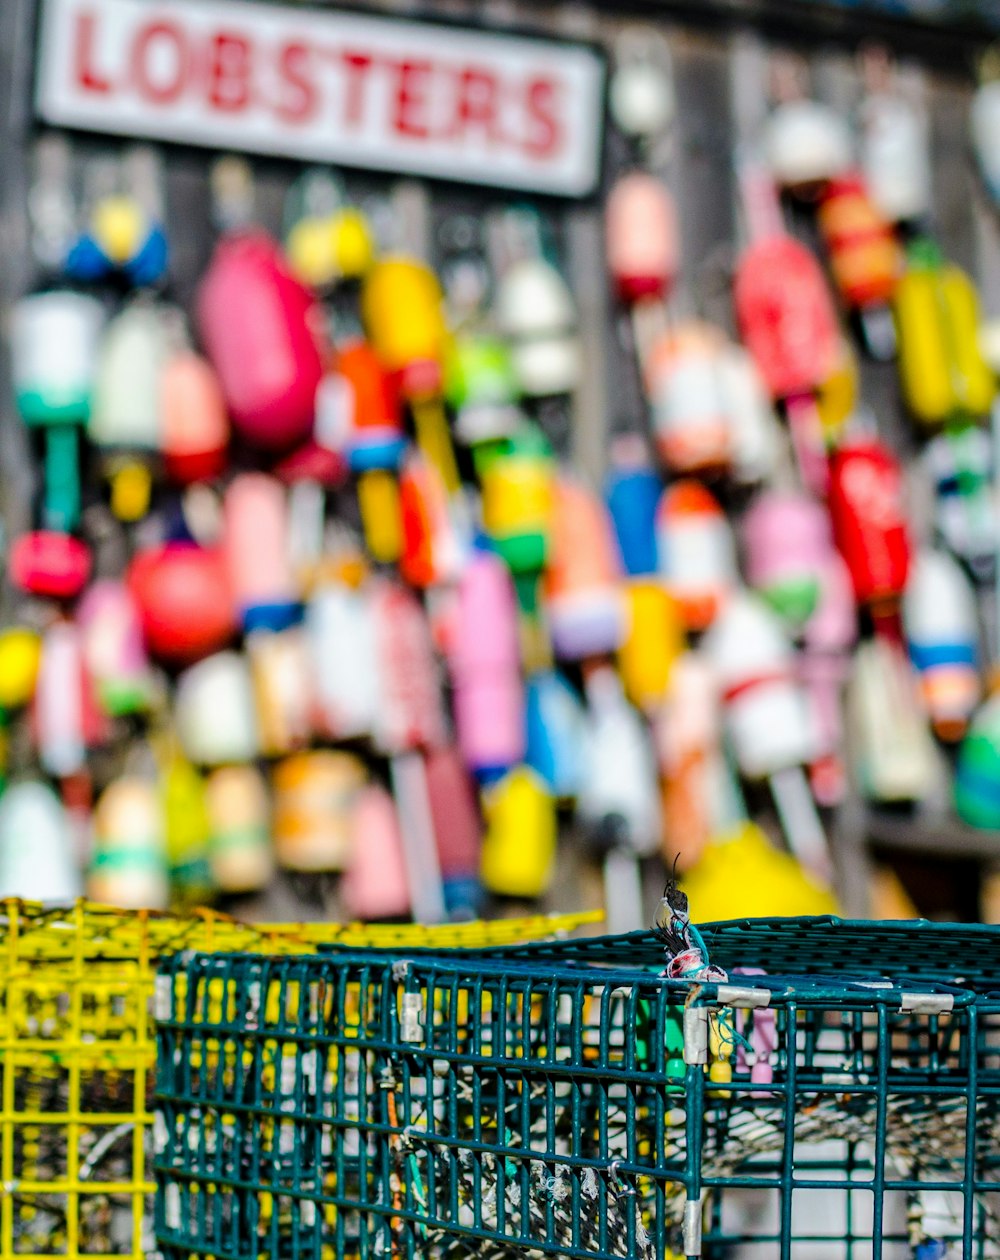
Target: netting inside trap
column 360, row 1104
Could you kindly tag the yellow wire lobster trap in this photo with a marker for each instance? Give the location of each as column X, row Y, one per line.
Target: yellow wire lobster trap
column 78, row 1050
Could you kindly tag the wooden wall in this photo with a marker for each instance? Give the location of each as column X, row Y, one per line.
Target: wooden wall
column 720, row 54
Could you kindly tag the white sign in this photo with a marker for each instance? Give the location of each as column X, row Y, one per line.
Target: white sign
column 327, row 86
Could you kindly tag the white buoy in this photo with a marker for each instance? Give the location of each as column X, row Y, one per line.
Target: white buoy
column 342, row 649
column 767, row 718
column 618, row 800
column 126, row 415
column 895, row 156
column 215, row 713
column 807, row 143
column 54, row 388
column 985, row 126
column 888, row 736
column 536, row 313
column 939, row 616
column 36, row 850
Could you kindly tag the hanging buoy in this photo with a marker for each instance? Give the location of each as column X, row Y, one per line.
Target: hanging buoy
column 374, row 885
column 787, row 541
column 941, row 367
column 185, row 829
column 689, row 748
column 255, row 546
column 113, row 648
column 697, row 553
column 582, row 582
column 618, row 802
column 755, row 439
column 555, row 733
column 654, row 639
column 54, row 390
column 939, row 617
column 767, row 717
column 959, row 465
column 807, row 144
column 868, row 519
column 865, row 257
column 282, row 688
column 184, row 601
column 50, row 564
column 457, row 830
column 787, row 320
column 126, row 415
column 341, row 636
column 482, row 388
column 517, row 506
column 536, row 313
column 403, row 310
column 214, row 710
column 895, row 148
column 618, row 799
column 687, row 387
column 519, row 848
column 66, row 720
column 641, row 93
column 632, row 493
column 260, row 328
column 984, row 120
column 239, row 829
column 36, row 853
column 129, row 866
column 20, row 657
column 315, row 794
column 643, row 244
column 485, row 668
column 433, row 548
column 888, row 737
column 977, row 772
column 824, row 667
column 786, row 316
column 195, row 424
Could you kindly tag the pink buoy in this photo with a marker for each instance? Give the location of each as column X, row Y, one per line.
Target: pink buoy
column 261, row 330
column 642, row 237
column 48, row 563
column 485, row 668
column 374, row 885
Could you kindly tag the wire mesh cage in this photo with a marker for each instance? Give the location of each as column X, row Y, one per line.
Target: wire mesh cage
column 575, row 1100
column 78, row 1047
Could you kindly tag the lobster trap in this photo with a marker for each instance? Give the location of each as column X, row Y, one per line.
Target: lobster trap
column 77, row 1057
column 836, row 1094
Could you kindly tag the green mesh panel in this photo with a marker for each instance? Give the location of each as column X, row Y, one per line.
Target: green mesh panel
column 382, row 1103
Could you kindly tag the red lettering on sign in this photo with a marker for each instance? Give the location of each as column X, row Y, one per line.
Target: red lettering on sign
column 411, row 86
column 162, row 34
column 295, row 63
column 83, row 49
column 229, row 72
column 356, row 67
column 477, row 104
column 545, row 135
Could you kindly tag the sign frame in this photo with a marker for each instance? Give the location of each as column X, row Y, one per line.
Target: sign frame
column 582, row 56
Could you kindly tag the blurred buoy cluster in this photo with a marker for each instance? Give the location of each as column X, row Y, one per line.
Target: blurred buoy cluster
column 310, row 584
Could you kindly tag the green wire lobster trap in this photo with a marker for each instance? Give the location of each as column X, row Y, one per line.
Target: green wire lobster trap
column 574, row 1100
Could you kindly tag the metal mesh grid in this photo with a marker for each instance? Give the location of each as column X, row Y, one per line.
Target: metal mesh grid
column 77, row 1050
column 966, row 954
column 388, row 1104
